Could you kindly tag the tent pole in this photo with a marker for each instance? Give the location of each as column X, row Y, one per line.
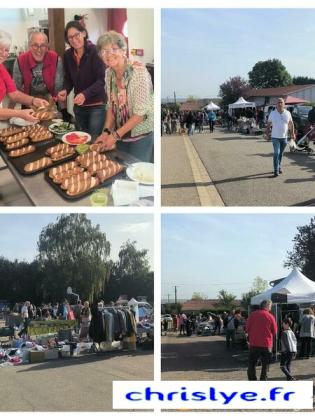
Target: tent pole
column 276, row 346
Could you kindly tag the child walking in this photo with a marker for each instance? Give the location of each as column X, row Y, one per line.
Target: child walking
column 288, row 349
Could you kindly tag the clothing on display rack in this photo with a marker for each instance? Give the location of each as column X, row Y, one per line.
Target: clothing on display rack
column 112, row 324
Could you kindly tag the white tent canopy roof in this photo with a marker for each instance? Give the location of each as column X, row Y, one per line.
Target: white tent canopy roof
column 297, row 287
column 241, row 103
column 212, row 106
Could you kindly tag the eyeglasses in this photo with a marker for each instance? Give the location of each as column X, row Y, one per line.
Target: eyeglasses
column 39, row 46
column 109, row 51
column 74, row 36
column 5, row 50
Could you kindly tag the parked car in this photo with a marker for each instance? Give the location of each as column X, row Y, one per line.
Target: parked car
column 168, row 318
column 300, row 118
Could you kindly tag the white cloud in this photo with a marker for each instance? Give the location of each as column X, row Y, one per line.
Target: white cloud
column 135, row 227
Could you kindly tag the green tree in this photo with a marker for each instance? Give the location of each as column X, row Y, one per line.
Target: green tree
column 303, row 253
column 171, row 308
column 131, row 274
column 199, row 296
column 20, row 281
column 303, row 80
column 259, row 285
column 73, row 253
column 232, row 89
column 226, row 299
column 268, row 74
column 191, row 98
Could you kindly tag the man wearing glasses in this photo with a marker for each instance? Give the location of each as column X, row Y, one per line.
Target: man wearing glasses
column 279, row 124
column 38, row 71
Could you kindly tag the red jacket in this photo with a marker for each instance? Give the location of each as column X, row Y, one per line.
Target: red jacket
column 27, row 63
column 261, row 327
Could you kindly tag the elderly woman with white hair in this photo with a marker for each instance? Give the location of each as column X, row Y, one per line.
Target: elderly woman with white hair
column 8, row 88
column 129, row 119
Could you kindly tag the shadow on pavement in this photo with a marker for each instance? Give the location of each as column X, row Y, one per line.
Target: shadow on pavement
column 187, row 184
column 190, row 356
column 82, row 360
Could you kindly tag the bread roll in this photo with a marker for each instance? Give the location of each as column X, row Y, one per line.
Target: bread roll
column 16, row 137
column 86, row 156
column 17, row 144
column 37, row 137
column 59, row 178
column 62, row 147
column 96, row 147
column 62, row 154
column 38, row 164
column 89, row 161
column 75, row 179
column 21, row 152
column 10, row 131
column 62, row 168
column 82, row 186
column 97, row 166
column 107, row 173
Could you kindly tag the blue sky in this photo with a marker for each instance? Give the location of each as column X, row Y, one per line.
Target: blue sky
column 207, row 253
column 20, row 232
column 202, row 48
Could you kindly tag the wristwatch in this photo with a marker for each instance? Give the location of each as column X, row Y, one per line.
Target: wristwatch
column 107, row 131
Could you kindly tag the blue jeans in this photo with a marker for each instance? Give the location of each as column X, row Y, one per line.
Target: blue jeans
column 140, row 149
column 278, row 147
column 90, row 119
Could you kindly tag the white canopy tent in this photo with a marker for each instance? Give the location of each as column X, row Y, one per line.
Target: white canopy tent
column 212, row 107
column 297, row 287
column 241, row 103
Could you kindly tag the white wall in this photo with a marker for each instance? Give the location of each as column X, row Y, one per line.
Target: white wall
column 16, row 22
column 96, row 23
column 141, row 33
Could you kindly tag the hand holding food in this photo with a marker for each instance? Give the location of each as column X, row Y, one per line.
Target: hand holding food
column 28, row 115
column 62, row 95
column 40, row 103
column 79, row 99
column 107, row 140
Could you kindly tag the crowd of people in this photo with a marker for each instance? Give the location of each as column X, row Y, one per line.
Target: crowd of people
column 113, row 96
column 81, row 313
column 256, row 333
column 190, row 122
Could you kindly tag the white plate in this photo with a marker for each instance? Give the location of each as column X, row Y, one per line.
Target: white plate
column 142, row 172
column 60, row 133
column 79, row 133
column 20, row 121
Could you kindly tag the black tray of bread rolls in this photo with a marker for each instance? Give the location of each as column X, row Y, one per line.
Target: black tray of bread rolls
column 39, row 152
column 57, row 187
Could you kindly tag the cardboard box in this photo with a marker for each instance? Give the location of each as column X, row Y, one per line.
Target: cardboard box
column 51, row 354
column 36, row 356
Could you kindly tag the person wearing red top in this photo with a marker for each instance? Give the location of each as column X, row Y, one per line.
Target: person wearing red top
column 8, row 88
column 261, row 328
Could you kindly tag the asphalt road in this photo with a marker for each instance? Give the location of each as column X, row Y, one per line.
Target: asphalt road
column 75, row 384
column 240, row 167
column 206, row 358
column 199, row 358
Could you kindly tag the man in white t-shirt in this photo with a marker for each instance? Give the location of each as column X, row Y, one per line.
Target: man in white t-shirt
column 280, row 122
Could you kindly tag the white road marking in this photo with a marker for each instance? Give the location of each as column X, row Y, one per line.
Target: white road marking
column 208, row 194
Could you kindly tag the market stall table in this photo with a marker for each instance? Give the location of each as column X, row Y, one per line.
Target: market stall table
column 40, row 193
